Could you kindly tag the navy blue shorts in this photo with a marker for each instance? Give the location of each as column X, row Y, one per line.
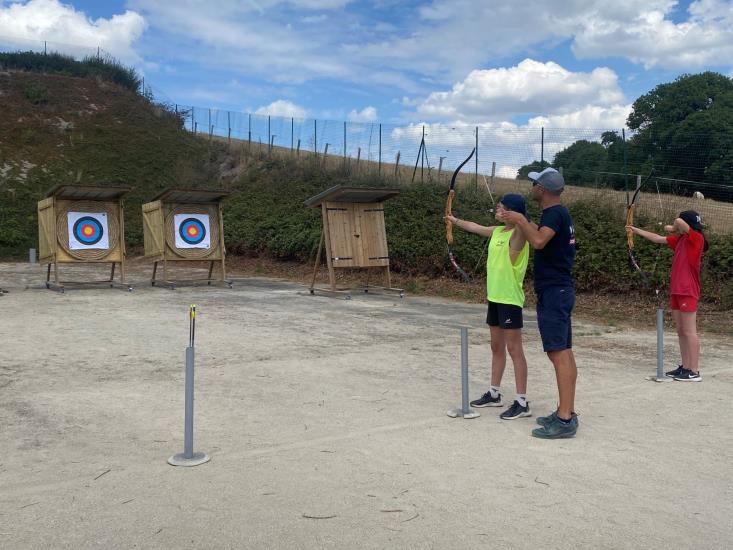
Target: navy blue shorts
column 504, row 315
column 554, row 306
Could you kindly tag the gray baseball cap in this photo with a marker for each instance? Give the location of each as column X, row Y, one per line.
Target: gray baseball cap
column 549, row 178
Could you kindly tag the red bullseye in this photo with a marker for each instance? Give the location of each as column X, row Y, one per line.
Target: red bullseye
column 192, row 231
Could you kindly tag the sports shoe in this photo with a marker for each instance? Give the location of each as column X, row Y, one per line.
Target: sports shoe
column 688, row 376
column 557, row 429
column 487, row 401
column 516, row 411
column 545, row 420
column 675, row 372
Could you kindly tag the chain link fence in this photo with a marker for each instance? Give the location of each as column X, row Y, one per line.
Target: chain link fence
column 606, row 164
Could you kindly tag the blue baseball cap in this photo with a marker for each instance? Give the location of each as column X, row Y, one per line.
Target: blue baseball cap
column 515, row 202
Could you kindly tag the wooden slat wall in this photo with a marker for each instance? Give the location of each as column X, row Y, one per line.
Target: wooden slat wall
column 153, row 228
column 46, row 229
column 374, row 252
column 341, row 234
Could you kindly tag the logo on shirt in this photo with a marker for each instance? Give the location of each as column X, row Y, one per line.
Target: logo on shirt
column 508, row 322
column 572, row 235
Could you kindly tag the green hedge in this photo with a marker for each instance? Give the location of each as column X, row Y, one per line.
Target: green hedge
column 266, row 215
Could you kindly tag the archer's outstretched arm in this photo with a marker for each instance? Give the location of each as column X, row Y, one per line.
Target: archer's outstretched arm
column 648, row 235
column 471, row 227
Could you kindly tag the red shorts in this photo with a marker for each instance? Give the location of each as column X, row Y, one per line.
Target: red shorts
column 688, row 304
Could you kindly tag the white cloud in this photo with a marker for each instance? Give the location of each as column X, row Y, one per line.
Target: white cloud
column 530, row 87
column 284, row 108
column 69, row 31
column 367, row 114
column 590, row 116
column 650, row 38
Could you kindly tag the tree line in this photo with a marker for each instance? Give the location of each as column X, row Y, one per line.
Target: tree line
column 680, row 132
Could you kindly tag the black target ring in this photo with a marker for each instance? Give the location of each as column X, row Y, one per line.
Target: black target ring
column 88, row 230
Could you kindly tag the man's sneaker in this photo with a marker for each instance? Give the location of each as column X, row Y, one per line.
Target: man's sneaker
column 688, row 376
column 516, row 411
column 545, row 420
column 675, row 372
column 557, row 429
column 487, row 401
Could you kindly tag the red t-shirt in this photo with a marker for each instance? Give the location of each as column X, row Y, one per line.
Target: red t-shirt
column 685, row 276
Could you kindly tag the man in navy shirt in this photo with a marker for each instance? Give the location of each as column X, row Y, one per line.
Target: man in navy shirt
column 554, row 243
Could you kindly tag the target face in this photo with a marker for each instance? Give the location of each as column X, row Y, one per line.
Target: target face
column 192, row 230
column 88, row 230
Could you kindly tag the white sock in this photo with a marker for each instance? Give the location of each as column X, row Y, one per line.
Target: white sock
column 522, row 399
column 495, row 391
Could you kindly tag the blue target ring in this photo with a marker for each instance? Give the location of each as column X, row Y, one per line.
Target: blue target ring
column 88, row 230
column 192, row 231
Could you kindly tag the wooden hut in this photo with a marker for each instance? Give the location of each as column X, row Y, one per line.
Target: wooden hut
column 353, row 233
column 185, row 226
column 82, row 225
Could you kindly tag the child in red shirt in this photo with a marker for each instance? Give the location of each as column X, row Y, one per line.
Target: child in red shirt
column 689, row 244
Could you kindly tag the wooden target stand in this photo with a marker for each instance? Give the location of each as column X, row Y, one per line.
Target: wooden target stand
column 82, row 225
column 354, row 235
column 166, row 242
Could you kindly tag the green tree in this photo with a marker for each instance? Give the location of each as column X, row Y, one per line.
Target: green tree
column 534, row 166
column 582, row 162
column 686, row 129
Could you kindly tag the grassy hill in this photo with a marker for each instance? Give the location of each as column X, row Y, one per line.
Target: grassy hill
column 94, row 130
column 72, row 130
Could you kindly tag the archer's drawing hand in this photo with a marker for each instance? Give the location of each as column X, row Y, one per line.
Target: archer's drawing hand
column 670, row 228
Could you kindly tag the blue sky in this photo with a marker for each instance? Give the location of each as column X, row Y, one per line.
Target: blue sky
column 498, row 64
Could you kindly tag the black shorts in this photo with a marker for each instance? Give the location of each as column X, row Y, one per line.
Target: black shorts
column 554, row 310
column 504, row 315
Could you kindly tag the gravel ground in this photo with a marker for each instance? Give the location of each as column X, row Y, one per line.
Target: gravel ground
column 325, row 422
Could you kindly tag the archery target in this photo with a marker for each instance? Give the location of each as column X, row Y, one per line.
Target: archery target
column 192, row 230
column 88, row 230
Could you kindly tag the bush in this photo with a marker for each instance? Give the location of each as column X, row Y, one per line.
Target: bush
column 104, row 67
column 267, row 215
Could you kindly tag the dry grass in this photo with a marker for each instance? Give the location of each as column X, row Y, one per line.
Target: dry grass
column 660, row 207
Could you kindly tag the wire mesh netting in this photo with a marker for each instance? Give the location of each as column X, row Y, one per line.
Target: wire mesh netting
column 677, row 171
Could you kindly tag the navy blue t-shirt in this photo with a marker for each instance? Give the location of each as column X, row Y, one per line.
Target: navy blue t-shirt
column 553, row 264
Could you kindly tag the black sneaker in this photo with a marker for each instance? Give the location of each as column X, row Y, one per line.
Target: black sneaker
column 675, row 372
column 487, row 401
column 557, row 429
column 688, row 376
column 516, row 411
column 545, row 420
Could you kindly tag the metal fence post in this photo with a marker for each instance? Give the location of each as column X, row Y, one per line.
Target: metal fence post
column 379, row 166
column 465, row 411
column 542, row 148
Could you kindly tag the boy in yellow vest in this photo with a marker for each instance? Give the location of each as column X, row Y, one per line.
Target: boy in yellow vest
column 505, row 268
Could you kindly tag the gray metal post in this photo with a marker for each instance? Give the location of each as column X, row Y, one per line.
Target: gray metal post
column 379, row 166
column 542, row 148
column 188, row 417
column 464, row 371
column 465, row 411
column 188, row 457
column 660, row 343
column 32, row 255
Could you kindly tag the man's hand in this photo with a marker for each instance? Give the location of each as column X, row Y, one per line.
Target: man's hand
column 451, row 219
column 509, row 216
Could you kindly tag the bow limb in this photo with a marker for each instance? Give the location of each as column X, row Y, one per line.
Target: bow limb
column 449, row 212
